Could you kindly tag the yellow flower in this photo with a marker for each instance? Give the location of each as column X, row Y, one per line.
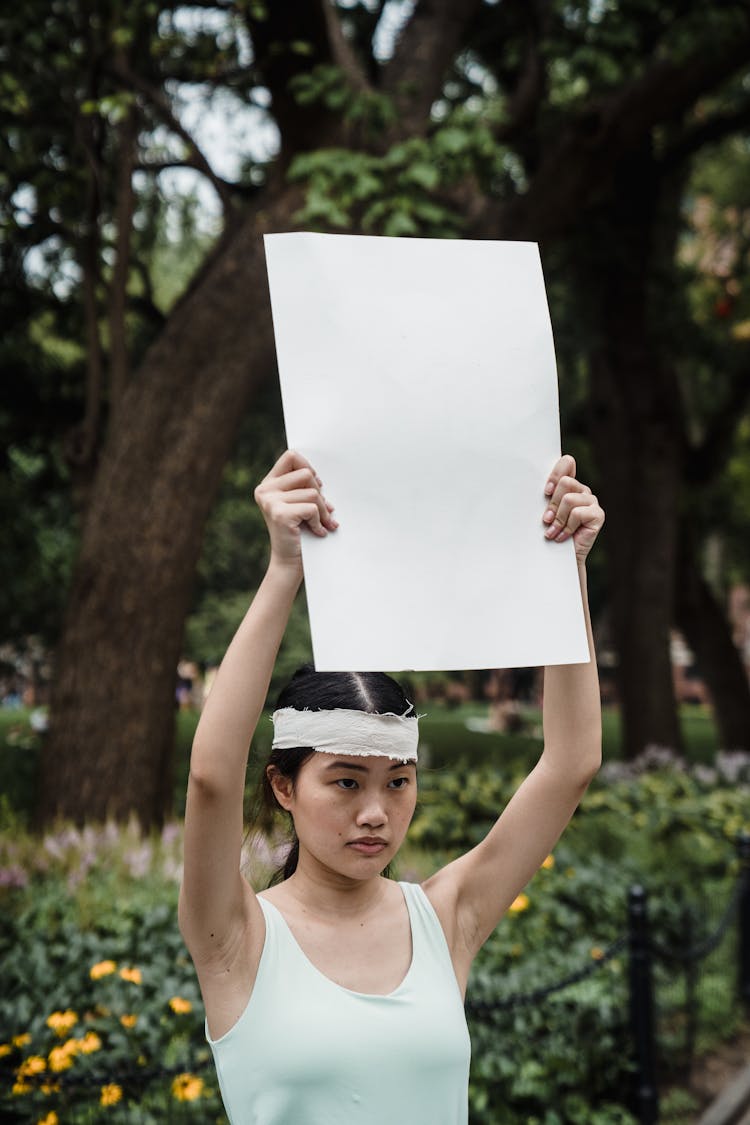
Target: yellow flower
column 102, row 969
column 597, row 953
column 187, row 1087
column 89, row 1043
column 21, row 1040
column 549, row 862
column 20, row 1088
column 132, row 975
column 60, row 1058
column 34, row 1064
column 180, row 1006
column 741, row 330
column 519, row 904
column 128, row 1020
column 111, row 1094
column 50, row 1119
column 5, row 1049
column 61, row 1022
column 50, row 1087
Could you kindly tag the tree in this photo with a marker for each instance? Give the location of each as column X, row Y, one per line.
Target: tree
column 486, row 120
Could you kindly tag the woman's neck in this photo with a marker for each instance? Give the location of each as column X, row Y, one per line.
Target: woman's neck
column 327, row 894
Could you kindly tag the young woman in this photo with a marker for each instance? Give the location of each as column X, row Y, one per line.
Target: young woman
column 336, row 996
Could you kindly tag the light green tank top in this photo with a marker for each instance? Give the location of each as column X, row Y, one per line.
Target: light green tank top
column 307, row 1051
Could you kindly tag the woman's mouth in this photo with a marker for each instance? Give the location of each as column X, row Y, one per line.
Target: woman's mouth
column 368, row 845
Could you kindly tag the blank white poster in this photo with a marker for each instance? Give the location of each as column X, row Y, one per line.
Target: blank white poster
column 419, row 378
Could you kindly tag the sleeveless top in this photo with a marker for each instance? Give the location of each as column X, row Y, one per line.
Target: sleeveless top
column 307, row 1051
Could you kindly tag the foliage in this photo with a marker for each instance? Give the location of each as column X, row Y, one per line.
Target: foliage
column 96, row 1002
column 571, row 1049
column 19, row 761
column 63, row 149
column 402, row 191
column 687, row 813
column 562, row 1060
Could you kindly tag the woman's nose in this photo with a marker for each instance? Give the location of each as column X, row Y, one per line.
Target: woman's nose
column 371, row 813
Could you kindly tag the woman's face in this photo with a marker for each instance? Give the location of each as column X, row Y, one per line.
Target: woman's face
column 350, row 813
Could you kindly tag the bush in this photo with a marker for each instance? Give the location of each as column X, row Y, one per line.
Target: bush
column 98, row 999
column 94, row 976
column 672, row 830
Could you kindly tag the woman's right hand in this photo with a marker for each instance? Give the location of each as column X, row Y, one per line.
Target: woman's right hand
column 290, row 497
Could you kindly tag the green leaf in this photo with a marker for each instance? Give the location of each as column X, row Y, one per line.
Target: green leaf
column 424, row 175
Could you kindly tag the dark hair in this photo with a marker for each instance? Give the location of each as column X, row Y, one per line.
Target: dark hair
column 374, row 692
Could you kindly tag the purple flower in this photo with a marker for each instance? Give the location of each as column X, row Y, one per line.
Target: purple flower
column 13, row 876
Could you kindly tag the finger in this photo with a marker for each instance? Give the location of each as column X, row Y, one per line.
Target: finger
column 307, row 514
column 311, row 496
column 570, row 502
column 585, row 518
column 288, row 462
column 297, row 478
column 565, row 466
column 564, row 486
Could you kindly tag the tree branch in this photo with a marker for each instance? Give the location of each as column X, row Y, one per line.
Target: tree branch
column 160, row 104
column 127, row 133
column 580, row 162
column 708, row 459
column 715, row 128
column 423, row 52
column 82, row 440
column 314, row 23
column 153, row 167
column 531, row 84
column 341, row 51
column 145, row 302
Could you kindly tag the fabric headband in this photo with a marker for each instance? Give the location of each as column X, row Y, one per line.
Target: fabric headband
column 347, row 732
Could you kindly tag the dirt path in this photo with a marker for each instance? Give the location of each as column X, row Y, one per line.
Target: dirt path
column 713, row 1072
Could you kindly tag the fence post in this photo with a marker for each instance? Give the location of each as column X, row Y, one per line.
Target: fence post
column 743, row 944
column 642, row 1009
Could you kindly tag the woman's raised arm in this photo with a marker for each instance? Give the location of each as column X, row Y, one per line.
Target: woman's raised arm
column 472, row 893
column 214, row 898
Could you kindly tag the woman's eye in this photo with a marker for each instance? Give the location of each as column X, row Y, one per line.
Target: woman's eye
column 346, row 783
column 399, row 782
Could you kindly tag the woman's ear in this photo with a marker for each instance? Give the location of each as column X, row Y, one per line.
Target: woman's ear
column 282, row 786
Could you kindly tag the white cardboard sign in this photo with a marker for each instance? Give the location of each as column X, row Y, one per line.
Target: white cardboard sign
column 419, row 378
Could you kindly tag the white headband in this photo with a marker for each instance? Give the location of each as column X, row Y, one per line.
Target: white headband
column 347, row 732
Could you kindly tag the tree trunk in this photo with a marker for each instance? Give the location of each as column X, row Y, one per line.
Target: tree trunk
column 640, row 466
column 116, row 663
column 708, row 633
column 109, row 747
column 636, row 429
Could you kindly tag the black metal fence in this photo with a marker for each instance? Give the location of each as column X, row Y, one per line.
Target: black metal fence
column 645, row 955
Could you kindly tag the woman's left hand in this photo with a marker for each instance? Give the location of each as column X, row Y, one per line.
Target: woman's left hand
column 572, row 509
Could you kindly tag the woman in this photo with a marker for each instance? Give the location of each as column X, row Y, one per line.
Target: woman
column 336, row 996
